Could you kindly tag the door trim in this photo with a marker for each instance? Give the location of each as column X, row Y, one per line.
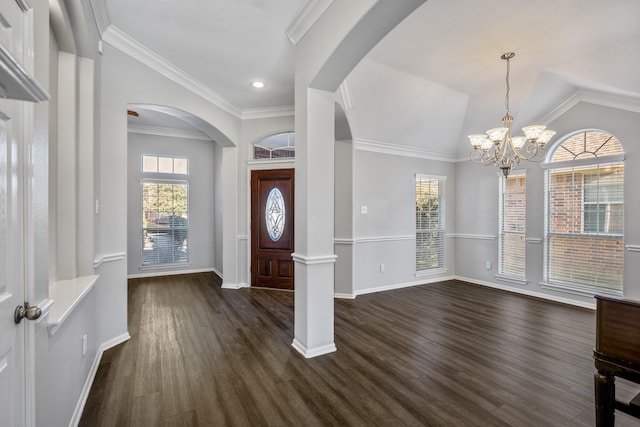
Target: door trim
column 251, row 166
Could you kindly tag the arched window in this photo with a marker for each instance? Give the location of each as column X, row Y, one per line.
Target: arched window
column 584, row 213
column 278, row 146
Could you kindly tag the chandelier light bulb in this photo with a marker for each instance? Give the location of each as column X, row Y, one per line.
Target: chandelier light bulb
column 477, row 139
column 518, row 141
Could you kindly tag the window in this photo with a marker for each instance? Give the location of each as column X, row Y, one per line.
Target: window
column 512, row 220
column 158, row 164
column 429, row 223
column 165, row 211
column 278, row 146
column 584, row 213
column 603, row 202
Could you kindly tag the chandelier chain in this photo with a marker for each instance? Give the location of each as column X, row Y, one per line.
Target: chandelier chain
column 506, row 97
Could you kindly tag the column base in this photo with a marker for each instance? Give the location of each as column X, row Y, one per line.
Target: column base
column 308, row 353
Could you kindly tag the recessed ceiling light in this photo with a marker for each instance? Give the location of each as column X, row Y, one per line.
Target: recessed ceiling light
column 258, row 84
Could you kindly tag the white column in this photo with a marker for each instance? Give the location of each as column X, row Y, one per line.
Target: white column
column 314, row 258
column 327, row 52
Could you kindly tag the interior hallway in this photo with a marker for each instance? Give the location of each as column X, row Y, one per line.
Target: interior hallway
column 444, row 354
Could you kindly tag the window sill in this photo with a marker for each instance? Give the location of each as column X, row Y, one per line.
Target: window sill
column 511, row 279
column 575, row 290
column 67, row 295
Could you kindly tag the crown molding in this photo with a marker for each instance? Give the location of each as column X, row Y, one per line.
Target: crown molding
column 100, row 15
column 123, row 42
column 345, row 93
column 398, row 150
column 621, row 102
column 269, row 112
column 172, row 133
column 306, row 18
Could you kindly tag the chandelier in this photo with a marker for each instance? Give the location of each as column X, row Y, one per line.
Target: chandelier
column 499, row 148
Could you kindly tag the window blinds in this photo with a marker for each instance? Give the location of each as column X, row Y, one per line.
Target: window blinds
column 512, row 222
column 584, row 226
column 429, row 222
column 165, row 222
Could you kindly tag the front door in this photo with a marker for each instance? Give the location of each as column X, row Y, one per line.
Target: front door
column 272, row 228
column 12, row 335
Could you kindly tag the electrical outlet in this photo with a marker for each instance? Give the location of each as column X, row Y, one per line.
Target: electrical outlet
column 364, row 209
column 381, row 268
column 84, row 345
column 488, row 265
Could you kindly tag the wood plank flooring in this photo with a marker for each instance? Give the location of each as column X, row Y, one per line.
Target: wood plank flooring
column 444, row 354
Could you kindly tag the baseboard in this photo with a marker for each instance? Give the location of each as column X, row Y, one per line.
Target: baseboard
column 423, row 281
column 171, row 273
column 528, row 292
column 339, row 295
column 234, row 285
column 308, row 353
column 77, row 413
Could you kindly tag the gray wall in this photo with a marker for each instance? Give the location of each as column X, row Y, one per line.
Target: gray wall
column 343, row 217
column 386, row 234
column 217, row 215
column 202, row 167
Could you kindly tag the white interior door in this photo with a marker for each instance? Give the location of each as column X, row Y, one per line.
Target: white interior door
column 12, row 335
column 16, row 39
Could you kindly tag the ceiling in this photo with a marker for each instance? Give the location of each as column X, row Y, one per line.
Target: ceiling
column 435, row 78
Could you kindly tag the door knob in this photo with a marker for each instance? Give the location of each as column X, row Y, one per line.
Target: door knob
column 30, row 312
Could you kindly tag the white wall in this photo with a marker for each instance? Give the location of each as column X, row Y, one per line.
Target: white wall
column 202, row 213
column 61, row 370
column 477, row 202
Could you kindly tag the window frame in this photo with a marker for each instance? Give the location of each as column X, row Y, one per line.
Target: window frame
column 502, row 189
column 440, row 229
column 289, row 148
column 170, row 178
column 578, row 165
column 607, row 212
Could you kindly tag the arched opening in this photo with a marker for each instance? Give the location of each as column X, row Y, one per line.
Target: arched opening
column 174, row 158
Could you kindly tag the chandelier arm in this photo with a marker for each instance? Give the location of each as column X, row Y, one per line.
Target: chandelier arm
column 478, row 156
column 529, row 152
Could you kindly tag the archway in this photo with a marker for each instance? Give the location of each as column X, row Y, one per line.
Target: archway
column 323, row 58
column 174, row 157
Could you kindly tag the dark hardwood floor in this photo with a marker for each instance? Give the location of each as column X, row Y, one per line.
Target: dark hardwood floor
column 445, row 354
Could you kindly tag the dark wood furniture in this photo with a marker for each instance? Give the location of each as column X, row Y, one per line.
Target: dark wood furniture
column 617, row 354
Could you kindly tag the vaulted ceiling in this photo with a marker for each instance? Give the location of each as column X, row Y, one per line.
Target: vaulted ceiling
column 435, row 78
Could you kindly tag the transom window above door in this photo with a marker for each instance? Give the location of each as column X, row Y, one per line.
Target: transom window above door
column 278, row 146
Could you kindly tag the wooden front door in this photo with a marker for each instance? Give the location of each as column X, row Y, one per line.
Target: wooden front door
column 272, row 228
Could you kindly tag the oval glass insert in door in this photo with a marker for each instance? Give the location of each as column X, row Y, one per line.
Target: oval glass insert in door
column 274, row 214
